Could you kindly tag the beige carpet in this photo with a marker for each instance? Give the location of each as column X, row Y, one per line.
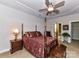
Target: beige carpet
column 72, row 52
column 18, row 54
column 72, row 49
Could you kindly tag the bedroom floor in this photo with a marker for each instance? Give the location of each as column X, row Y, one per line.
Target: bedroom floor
column 19, row 54
column 72, row 49
column 72, row 52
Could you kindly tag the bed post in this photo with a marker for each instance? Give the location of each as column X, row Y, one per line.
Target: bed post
column 22, row 31
column 45, row 29
column 45, row 39
column 35, row 27
column 45, row 26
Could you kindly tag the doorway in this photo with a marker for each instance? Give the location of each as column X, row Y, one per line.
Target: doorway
column 75, row 30
column 75, row 34
column 57, row 30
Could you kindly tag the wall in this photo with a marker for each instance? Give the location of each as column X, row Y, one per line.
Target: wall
column 11, row 18
column 63, row 20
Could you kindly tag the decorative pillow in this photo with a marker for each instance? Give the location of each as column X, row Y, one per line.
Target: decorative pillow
column 27, row 34
column 38, row 34
column 33, row 34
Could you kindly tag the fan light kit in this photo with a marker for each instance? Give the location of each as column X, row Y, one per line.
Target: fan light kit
column 50, row 8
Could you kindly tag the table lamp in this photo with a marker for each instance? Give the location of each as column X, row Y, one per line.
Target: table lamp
column 16, row 33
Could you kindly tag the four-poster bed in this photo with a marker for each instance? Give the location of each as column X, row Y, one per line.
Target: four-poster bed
column 37, row 44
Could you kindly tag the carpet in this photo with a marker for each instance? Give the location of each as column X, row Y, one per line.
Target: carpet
column 72, row 52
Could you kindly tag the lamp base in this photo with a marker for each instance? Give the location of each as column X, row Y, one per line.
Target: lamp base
column 15, row 39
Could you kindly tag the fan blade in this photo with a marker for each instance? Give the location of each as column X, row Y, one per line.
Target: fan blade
column 56, row 11
column 43, row 10
column 59, row 4
column 47, row 2
column 47, row 13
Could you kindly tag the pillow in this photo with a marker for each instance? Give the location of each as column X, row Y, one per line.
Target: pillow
column 33, row 34
column 27, row 34
column 38, row 34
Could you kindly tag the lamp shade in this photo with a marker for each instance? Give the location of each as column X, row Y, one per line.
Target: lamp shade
column 15, row 31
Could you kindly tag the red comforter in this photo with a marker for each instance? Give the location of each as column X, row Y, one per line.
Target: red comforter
column 36, row 45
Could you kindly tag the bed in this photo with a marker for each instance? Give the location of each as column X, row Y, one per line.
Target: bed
column 38, row 44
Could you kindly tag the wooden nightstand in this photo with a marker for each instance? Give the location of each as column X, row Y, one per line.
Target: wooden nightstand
column 58, row 52
column 16, row 45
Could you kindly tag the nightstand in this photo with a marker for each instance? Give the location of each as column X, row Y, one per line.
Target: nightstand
column 59, row 51
column 16, row 45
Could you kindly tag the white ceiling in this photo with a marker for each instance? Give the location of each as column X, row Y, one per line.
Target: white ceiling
column 33, row 6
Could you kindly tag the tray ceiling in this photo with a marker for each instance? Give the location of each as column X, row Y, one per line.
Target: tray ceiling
column 33, row 6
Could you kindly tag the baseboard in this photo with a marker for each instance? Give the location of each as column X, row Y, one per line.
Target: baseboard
column 6, row 50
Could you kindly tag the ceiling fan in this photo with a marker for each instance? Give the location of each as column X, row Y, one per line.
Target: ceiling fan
column 51, row 8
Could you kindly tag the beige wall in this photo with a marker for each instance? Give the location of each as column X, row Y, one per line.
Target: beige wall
column 11, row 18
column 63, row 20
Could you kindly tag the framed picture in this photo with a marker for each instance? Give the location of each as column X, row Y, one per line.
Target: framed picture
column 65, row 27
